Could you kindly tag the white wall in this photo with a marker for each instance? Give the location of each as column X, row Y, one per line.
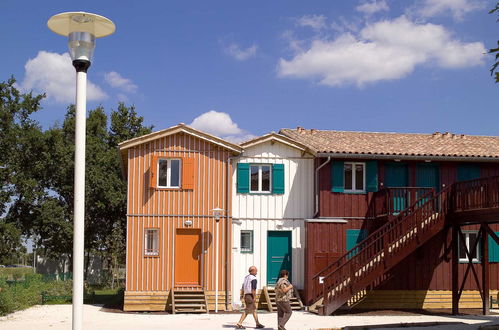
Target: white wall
column 262, row 213
column 297, row 200
column 242, row 261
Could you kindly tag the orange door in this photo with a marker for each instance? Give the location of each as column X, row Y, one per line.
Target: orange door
column 188, row 257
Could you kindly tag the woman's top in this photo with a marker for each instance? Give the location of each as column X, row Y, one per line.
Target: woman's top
column 282, row 284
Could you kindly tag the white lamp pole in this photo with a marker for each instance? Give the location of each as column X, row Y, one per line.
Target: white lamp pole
column 217, row 212
column 82, row 29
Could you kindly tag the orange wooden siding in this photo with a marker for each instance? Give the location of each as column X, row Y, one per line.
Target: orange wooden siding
column 204, row 187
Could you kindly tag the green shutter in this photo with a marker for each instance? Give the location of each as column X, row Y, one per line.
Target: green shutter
column 278, row 178
column 337, row 169
column 372, row 176
column 493, row 249
column 354, row 237
column 243, row 178
column 468, row 172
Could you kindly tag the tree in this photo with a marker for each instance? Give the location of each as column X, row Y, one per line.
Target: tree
column 495, row 66
column 10, row 243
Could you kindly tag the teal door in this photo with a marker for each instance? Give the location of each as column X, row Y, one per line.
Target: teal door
column 428, row 176
column 397, row 175
column 468, row 172
column 278, row 254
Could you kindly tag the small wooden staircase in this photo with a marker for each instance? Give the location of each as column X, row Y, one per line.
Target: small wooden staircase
column 189, row 301
column 268, row 301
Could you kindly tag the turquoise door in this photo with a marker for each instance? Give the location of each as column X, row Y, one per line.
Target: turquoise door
column 278, row 254
column 397, row 175
column 468, row 172
column 428, row 176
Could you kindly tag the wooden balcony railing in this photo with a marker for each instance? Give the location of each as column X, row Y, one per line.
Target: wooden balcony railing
column 390, row 201
column 475, row 194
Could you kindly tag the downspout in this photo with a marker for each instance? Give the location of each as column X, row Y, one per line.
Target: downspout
column 317, row 185
column 228, row 253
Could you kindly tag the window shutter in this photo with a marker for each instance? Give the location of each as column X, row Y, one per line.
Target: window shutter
column 278, row 178
column 243, row 178
column 493, row 249
column 337, row 169
column 372, row 176
column 153, row 175
column 188, row 173
column 468, row 172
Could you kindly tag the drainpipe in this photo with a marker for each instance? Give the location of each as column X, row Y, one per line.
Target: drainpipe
column 317, row 185
column 228, row 209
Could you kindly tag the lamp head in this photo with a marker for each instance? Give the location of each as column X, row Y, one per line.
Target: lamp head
column 81, row 29
column 217, row 212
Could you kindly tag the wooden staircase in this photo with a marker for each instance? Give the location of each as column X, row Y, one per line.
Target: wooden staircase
column 189, row 301
column 268, row 301
column 348, row 279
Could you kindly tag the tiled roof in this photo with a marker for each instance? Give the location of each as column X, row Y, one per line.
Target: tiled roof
column 397, row 144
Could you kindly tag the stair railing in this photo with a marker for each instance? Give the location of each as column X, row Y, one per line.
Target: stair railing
column 357, row 268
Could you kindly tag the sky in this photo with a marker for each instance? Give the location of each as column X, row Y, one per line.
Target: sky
column 239, row 69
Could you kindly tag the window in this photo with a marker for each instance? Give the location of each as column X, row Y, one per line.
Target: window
column 152, row 242
column 470, row 241
column 246, row 241
column 260, row 178
column 354, row 176
column 169, row 173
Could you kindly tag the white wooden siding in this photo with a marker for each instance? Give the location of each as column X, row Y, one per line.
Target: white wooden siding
column 297, row 200
column 242, row 261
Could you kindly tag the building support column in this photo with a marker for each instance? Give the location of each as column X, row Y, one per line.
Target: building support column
column 485, row 270
column 455, row 270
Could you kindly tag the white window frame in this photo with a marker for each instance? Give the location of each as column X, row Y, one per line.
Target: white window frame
column 354, row 190
column 168, row 173
column 252, row 240
column 466, row 235
column 259, row 191
column 151, row 234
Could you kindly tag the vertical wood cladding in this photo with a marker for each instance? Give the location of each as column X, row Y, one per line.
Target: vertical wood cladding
column 204, row 187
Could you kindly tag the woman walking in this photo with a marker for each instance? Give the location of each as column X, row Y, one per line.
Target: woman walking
column 283, row 292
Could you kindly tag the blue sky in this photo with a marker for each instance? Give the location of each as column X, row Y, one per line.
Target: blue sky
column 243, row 68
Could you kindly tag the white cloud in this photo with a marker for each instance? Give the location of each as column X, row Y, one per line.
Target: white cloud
column 220, row 124
column 385, row 50
column 371, row 7
column 53, row 74
column 457, row 8
column 114, row 79
column 316, row 22
column 241, row 54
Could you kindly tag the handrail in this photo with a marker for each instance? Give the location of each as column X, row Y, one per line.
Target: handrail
column 393, row 241
column 358, row 247
column 388, row 239
column 390, row 200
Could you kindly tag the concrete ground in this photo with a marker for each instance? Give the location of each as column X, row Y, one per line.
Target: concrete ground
column 58, row 317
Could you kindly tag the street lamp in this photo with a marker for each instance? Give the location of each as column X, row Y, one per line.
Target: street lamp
column 217, row 212
column 81, row 29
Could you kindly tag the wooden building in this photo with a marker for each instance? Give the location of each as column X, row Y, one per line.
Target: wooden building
column 176, row 178
column 371, row 184
column 272, row 196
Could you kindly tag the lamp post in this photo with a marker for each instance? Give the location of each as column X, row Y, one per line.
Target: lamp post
column 81, row 29
column 217, row 212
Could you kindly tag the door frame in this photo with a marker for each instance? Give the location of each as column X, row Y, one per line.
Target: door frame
column 290, row 249
column 201, row 256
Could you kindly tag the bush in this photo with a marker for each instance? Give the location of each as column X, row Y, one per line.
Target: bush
column 16, row 273
column 23, row 294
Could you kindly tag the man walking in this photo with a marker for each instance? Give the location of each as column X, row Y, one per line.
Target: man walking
column 248, row 292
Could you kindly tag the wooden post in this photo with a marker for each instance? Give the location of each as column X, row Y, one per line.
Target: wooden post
column 485, row 270
column 455, row 270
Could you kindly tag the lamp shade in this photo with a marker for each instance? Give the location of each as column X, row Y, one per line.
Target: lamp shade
column 82, row 29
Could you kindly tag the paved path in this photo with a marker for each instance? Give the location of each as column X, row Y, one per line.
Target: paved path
column 58, row 317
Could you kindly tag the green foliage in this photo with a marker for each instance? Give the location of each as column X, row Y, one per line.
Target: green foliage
column 495, row 66
column 16, row 273
column 10, row 243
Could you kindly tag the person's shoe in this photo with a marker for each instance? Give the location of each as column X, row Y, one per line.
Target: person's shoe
column 239, row 326
column 260, row 326
column 280, row 328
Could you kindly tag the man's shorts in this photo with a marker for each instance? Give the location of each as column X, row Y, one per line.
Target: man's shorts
column 249, row 303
